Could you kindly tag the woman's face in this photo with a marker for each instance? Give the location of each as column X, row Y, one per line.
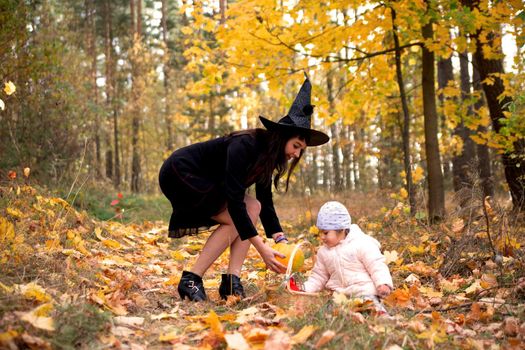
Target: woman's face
column 294, row 147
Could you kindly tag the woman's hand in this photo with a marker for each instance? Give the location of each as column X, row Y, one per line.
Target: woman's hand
column 384, row 290
column 268, row 255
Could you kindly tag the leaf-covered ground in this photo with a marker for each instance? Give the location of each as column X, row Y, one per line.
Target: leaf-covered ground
column 68, row 281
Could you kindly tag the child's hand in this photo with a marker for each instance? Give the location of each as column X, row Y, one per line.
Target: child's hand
column 384, row 290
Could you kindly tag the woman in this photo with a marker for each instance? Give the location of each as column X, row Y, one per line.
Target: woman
column 206, row 184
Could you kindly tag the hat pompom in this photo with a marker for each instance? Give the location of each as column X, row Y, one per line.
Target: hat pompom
column 308, row 109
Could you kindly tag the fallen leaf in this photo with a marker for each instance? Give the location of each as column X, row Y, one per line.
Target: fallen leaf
column 236, row 341
column 34, row 342
column 9, row 88
column 121, row 331
column 45, row 323
column 417, row 250
column 215, row 324
column 325, row 338
column 303, row 334
column 170, row 336
column 34, row 291
column 128, row 320
column 488, row 280
column 8, row 336
column 278, row 340
column 435, row 335
column 390, row 256
column 511, row 326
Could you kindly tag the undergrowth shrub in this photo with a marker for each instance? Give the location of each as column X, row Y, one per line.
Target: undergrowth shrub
column 77, row 326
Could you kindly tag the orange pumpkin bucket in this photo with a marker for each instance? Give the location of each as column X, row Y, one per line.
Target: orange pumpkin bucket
column 294, row 261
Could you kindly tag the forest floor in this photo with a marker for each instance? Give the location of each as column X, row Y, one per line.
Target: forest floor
column 70, row 281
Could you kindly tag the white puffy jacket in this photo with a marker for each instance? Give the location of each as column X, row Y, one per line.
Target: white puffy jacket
column 354, row 267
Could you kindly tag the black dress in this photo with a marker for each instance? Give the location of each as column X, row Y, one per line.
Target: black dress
column 204, row 178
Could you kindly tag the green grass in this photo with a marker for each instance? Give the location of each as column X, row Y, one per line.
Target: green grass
column 131, row 208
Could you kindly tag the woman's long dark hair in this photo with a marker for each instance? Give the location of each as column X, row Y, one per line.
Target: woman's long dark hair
column 273, row 157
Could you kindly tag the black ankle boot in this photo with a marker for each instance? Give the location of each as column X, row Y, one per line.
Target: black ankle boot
column 231, row 285
column 191, row 286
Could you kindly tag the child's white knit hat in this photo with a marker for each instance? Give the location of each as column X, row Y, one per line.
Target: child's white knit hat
column 333, row 216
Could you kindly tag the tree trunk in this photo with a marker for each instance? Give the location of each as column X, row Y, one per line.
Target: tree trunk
column 406, row 120
column 345, row 148
column 436, row 193
column 484, row 168
column 92, row 49
column 223, row 5
column 338, row 185
column 445, row 74
column 135, row 72
column 462, row 162
column 108, row 47
column 165, row 69
column 513, row 160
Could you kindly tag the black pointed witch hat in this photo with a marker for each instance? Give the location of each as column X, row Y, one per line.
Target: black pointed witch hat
column 299, row 118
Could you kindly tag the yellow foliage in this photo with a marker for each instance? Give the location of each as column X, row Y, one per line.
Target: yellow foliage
column 9, row 88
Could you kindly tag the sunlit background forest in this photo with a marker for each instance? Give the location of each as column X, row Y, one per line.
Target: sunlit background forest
column 423, row 100
column 105, row 90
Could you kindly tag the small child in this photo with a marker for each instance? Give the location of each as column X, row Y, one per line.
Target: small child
column 350, row 261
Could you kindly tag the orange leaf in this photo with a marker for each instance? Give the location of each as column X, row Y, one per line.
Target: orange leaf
column 325, row 338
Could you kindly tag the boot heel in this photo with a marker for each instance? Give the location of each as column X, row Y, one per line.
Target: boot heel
column 191, row 286
column 231, row 285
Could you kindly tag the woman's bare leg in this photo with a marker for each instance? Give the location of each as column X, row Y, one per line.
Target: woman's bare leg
column 224, row 236
column 239, row 248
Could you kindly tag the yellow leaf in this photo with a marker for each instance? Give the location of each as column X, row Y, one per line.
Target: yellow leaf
column 313, row 230
column 303, row 334
column 45, row 323
column 6, row 288
column 7, row 230
column 27, row 171
column 178, row 255
column 420, row 249
column 213, row 321
column 14, row 212
column 98, row 233
column 488, row 280
column 110, row 243
column 173, row 280
column 34, row 291
column 435, row 335
column 169, row 336
column 43, row 310
column 8, row 336
column 390, row 256
column 340, row 298
column 474, row 287
column 9, row 88
column 429, row 292
column 236, row 341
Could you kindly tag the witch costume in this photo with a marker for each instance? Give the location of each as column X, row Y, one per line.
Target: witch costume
column 203, row 179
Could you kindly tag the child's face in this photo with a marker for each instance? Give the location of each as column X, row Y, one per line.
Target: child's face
column 331, row 238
